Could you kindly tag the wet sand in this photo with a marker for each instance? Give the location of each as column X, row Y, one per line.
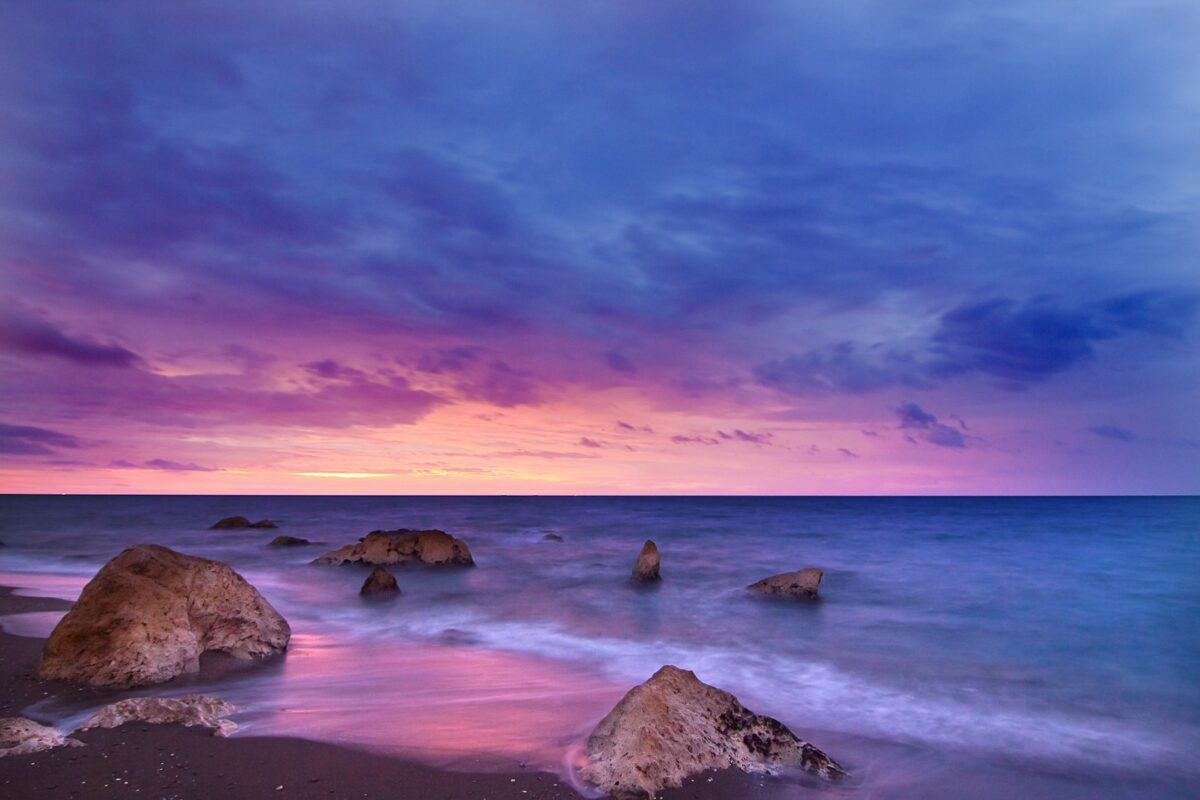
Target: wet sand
column 171, row 761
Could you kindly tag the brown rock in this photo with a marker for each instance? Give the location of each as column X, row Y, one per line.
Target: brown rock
column 228, row 523
column 403, row 546
column 288, row 541
column 645, row 569
column 149, row 614
column 552, row 537
column 674, row 726
column 263, row 523
column 192, row 710
column 380, row 583
column 20, row 736
column 802, row 585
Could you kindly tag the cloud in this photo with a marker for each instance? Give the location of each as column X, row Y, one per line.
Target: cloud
column 743, row 436
column 838, row 368
column 625, row 426
column 332, row 370
column 1112, row 432
column 161, row 464
column 586, row 442
column 619, row 363
column 26, row 440
column 26, row 334
column 694, row 439
column 912, row 416
column 847, row 453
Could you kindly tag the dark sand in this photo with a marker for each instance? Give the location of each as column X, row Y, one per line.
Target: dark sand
column 171, row 761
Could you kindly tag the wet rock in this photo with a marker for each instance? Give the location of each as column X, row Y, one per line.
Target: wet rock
column 20, row 736
column 801, row 585
column 645, row 569
column 263, row 523
column 289, row 541
column 380, row 583
column 552, row 537
column 192, row 710
column 403, row 546
column 148, row 615
column 229, row 523
column 674, row 726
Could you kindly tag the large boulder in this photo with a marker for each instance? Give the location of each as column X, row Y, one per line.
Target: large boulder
column 645, row 569
column 20, row 736
column 192, row 710
column 380, row 583
column 149, row 614
column 403, row 546
column 673, row 726
column 800, row 585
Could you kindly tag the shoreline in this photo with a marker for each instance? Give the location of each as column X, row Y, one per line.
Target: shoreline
column 172, row 761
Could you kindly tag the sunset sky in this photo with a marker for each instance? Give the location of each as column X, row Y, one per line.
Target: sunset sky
column 600, row 247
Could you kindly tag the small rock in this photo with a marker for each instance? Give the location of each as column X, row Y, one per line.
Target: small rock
column 800, row 585
column 288, row 541
column 380, row 583
column 403, row 546
column 645, row 569
column 552, row 537
column 20, row 736
column 192, row 710
column 263, row 523
column 229, row 523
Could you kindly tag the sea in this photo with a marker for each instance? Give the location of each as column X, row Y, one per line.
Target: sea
column 1010, row 647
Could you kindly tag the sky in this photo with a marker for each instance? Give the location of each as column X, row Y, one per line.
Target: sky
column 545, row 247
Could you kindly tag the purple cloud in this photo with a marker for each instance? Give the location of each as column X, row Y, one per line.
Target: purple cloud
column 913, row 416
column 26, row 334
column 27, row 440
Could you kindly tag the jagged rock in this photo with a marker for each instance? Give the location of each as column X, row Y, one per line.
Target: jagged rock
column 263, row 523
column 380, row 583
column 192, row 710
column 229, row 523
column 552, row 537
column 288, row 541
column 148, row 615
column 646, row 567
column 801, row 585
column 20, row 736
column 403, row 546
column 673, row 726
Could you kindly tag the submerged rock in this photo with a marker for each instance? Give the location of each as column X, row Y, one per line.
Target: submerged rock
column 552, row 537
column 263, row 523
column 380, row 583
column 288, row 541
column 192, row 710
column 148, row 615
column 673, row 726
column 229, row 523
column 646, row 567
column 20, row 736
column 403, row 546
column 801, row 585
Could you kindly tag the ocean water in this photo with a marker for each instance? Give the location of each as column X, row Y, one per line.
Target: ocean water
column 964, row 647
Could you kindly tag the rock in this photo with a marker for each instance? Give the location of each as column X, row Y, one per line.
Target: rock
column 552, row 537
column 802, row 585
column 380, row 583
column 403, row 546
column 646, row 567
column 263, row 523
column 192, row 710
column 228, row 523
column 20, row 736
column 288, row 541
column 148, row 615
column 674, row 726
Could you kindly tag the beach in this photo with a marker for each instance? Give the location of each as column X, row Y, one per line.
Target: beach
column 937, row 662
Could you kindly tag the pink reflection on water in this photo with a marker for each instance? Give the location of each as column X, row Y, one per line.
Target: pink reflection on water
column 446, row 704
column 29, row 584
